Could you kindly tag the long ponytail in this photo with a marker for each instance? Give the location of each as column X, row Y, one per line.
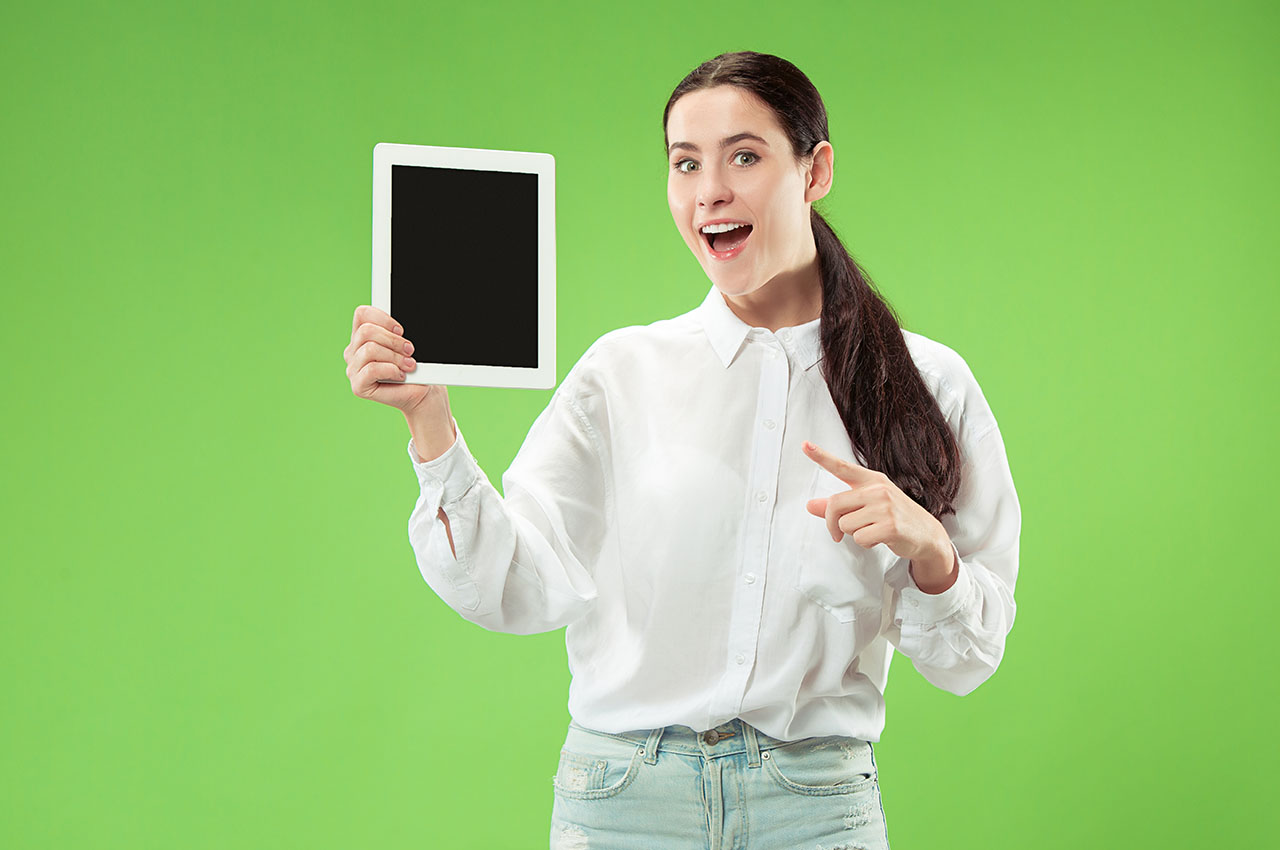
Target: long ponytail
column 891, row 417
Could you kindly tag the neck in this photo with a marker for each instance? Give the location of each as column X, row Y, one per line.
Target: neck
column 791, row 298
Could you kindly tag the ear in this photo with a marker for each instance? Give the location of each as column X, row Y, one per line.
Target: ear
column 820, row 172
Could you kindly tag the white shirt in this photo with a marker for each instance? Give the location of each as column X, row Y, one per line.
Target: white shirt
column 657, row 509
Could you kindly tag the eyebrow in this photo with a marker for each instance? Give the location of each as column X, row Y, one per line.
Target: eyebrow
column 724, row 143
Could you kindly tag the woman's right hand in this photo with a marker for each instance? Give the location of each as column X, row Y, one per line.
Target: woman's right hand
column 378, row 352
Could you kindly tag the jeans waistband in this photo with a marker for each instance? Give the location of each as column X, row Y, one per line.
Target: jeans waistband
column 729, row 738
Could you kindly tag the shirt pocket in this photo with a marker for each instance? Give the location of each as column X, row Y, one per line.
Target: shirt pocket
column 841, row 577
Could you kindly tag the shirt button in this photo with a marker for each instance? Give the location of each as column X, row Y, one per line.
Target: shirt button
column 913, row 603
column 769, row 423
column 749, row 578
column 786, row 333
column 741, row 659
column 761, row 495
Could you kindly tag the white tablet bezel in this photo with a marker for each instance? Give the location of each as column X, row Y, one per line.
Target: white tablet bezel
column 386, row 154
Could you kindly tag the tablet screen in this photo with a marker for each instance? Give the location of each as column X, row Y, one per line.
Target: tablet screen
column 464, row 264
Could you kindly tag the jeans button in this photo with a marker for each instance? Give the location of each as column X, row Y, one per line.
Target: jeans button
column 711, row 736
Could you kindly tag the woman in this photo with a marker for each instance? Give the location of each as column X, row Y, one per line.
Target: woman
column 738, row 513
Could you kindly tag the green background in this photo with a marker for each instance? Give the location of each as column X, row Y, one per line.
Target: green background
column 213, row 632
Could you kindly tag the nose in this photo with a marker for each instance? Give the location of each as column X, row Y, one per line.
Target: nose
column 712, row 188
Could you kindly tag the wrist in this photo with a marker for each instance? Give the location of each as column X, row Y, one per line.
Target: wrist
column 433, row 434
column 936, row 571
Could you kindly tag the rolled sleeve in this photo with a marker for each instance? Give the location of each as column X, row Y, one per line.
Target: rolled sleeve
column 451, row 474
column 920, row 608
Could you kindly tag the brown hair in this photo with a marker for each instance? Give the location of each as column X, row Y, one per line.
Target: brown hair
column 890, row 415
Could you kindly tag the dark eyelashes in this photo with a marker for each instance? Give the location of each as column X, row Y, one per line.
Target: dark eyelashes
column 676, row 166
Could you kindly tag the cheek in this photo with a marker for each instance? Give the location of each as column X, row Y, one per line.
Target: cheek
column 781, row 229
column 675, row 199
column 680, row 213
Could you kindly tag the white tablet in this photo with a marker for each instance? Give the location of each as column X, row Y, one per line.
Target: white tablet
column 464, row 257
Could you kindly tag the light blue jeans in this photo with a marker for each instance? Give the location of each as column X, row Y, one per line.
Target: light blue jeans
column 729, row 788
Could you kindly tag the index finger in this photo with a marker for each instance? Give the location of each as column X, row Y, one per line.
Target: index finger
column 849, row 473
column 369, row 313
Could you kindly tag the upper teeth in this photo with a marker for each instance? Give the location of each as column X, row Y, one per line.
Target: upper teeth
column 721, row 228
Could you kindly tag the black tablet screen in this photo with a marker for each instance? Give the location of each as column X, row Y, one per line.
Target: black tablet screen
column 464, row 264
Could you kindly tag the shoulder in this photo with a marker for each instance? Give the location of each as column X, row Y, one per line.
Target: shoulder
column 953, row 384
column 616, row 356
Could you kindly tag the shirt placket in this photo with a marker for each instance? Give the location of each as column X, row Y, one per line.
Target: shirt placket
column 749, row 584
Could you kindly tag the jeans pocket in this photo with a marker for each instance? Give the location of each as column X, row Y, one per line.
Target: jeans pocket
column 819, row 767
column 840, row 577
column 595, row 767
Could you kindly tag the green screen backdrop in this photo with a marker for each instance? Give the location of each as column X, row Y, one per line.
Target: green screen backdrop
column 213, row 632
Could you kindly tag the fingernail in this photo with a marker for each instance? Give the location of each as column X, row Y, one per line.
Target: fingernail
column 408, row 347
column 399, row 329
column 408, row 362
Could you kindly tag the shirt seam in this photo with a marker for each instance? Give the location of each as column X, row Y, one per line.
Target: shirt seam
column 945, row 384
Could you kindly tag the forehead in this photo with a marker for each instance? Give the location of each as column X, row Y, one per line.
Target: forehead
column 708, row 115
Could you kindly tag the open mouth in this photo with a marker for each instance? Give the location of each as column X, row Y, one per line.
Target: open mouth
column 727, row 243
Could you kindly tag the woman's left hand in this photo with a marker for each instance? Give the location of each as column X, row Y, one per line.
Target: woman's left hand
column 875, row 511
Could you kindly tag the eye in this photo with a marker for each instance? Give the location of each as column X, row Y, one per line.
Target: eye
column 746, row 153
column 678, row 165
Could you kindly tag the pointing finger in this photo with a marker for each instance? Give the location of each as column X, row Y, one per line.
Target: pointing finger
column 850, row 473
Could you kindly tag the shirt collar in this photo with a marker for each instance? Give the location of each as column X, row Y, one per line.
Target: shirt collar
column 727, row 332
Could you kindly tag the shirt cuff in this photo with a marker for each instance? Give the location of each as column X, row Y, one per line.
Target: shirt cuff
column 920, row 607
column 454, row 472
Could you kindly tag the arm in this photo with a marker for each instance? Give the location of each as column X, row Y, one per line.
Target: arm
column 956, row 637
column 522, row 563
column 434, row 440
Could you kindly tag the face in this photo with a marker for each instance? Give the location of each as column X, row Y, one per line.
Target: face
column 753, row 180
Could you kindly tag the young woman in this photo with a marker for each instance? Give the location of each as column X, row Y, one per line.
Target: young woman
column 738, row 512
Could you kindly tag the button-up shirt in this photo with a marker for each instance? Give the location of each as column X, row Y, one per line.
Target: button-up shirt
column 657, row 510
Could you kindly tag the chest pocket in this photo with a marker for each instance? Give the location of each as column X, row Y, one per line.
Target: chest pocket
column 843, row 577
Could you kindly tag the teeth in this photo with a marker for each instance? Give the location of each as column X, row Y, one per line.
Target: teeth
column 721, row 228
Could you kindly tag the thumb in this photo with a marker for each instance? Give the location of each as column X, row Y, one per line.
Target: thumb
column 817, row 507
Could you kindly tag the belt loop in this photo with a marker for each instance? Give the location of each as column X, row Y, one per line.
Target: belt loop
column 651, row 746
column 753, row 746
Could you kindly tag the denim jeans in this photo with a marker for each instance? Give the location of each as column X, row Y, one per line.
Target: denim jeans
column 728, row 788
